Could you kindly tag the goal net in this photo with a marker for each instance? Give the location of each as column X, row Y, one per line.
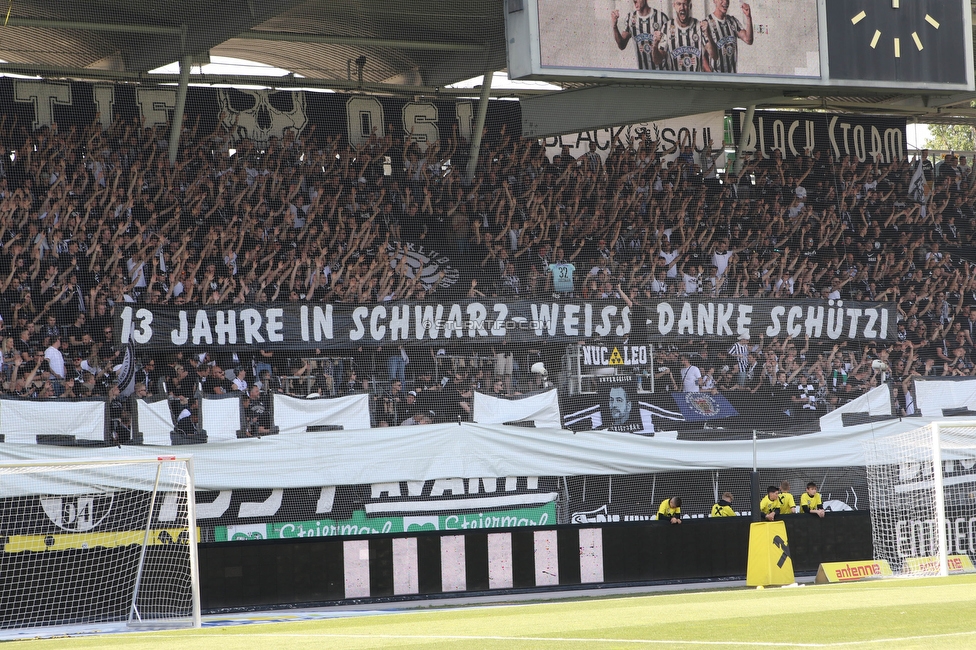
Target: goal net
column 922, row 493
column 94, row 542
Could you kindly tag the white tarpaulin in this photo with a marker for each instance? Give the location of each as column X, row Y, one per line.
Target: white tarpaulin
column 543, row 409
column 294, row 415
column 155, row 421
column 21, row 421
column 876, row 401
column 438, row 451
column 220, row 417
column 933, row 395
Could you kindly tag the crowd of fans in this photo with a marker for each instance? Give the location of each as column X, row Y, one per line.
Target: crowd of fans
column 91, row 219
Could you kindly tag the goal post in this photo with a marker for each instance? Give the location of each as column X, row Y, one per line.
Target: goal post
column 922, row 493
column 86, row 542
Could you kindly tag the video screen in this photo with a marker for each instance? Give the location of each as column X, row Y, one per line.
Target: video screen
column 661, row 37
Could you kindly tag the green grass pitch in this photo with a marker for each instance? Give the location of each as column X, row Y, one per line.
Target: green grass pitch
column 931, row 613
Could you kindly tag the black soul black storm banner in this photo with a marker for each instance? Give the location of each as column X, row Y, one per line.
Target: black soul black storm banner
column 343, row 326
column 834, row 136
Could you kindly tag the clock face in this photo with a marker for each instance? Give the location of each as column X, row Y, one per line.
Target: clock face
column 920, row 41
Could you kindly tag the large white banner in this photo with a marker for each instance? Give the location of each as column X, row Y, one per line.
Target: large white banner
column 542, row 409
column 220, row 417
column 294, row 415
column 670, row 135
column 23, row 420
column 155, row 421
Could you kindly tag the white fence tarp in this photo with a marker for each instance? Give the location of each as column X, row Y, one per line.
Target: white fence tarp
column 294, row 415
column 543, row 409
column 220, row 417
column 933, row 395
column 21, row 421
column 155, row 421
column 438, row 451
column 876, row 401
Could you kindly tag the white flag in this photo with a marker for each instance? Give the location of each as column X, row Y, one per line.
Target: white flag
column 916, row 188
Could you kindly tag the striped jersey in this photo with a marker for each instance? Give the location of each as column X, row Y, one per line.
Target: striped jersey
column 642, row 30
column 684, row 47
column 725, row 35
column 741, row 353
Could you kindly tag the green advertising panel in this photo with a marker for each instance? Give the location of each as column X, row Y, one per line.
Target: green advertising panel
column 360, row 524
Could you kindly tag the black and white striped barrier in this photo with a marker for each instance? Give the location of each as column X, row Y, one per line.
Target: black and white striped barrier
column 458, row 563
column 319, row 570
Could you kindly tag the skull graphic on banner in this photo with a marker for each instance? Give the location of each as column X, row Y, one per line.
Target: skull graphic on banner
column 262, row 114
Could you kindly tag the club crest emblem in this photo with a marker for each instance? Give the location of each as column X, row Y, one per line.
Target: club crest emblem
column 702, row 403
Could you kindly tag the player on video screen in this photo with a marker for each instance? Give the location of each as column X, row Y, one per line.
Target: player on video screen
column 681, row 47
column 724, row 31
column 640, row 24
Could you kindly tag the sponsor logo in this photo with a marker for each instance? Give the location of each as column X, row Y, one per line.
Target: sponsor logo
column 598, row 516
column 920, row 538
column 77, row 514
column 361, row 524
column 624, row 355
column 857, row 571
column 930, row 565
column 853, row 571
column 68, row 541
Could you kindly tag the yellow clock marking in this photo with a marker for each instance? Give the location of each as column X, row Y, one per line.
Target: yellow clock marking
column 897, row 41
column 894, row 4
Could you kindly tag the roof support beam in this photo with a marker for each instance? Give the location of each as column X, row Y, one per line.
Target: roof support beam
column 293, row 37
column 479, row 126
column 174, row 137
column 92, row 74
column 96, row 27
column 209, row 26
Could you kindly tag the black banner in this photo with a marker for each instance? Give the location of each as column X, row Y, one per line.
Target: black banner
column 834, row 136
column 256, row 114
column 344, row 326
column 834, row 320
column 297, row 326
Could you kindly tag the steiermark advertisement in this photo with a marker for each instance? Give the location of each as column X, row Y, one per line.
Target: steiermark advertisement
column 360, row 524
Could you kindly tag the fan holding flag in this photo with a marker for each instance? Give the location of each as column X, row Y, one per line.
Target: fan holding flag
column 920, row 187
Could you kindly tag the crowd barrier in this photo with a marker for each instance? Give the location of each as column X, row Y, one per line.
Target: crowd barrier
column 321, row 570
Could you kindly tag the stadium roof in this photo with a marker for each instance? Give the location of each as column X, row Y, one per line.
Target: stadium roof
column 412, row 47
column 420, row 44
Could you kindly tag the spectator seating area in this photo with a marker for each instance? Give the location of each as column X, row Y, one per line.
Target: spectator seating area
column 94, row 219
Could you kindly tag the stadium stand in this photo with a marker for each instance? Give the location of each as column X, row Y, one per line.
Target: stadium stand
column 94, row 219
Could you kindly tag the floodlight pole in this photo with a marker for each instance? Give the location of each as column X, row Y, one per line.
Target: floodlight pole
column 479, row 126
column 750, row 113
column 174, row 136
